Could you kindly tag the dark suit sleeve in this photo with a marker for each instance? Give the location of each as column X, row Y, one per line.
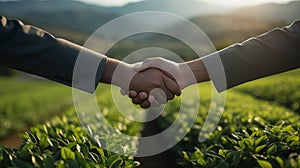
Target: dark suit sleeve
column 273, row 52
column 35, row 51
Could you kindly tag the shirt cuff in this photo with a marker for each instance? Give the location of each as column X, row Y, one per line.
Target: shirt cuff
column 88, row 70
column 215, row 69
column 100, row 71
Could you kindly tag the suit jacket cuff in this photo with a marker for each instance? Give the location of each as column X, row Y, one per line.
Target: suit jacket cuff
column 215, row 71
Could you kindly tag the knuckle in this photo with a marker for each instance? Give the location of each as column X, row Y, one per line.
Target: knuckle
column 171, row 97
column 135, row 101
column 145, row 105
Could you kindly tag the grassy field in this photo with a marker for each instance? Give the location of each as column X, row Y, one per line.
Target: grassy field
column 259, row 128
column 24, row 103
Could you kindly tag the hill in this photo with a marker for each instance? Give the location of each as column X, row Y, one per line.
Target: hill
column 271, row 12
column 79, row 16
column 178, row 7
column 185, row 8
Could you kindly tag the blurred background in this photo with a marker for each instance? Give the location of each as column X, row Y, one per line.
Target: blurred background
column 26, row 100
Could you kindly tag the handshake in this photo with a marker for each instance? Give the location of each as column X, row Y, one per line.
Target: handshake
column 154, row 81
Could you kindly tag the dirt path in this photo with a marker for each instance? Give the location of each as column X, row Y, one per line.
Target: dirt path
column 11, row 141
column 165, row 159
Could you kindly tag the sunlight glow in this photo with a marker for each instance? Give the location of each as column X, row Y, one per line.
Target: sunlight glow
column 240, row 3
column 230, row 3
column 110, row 2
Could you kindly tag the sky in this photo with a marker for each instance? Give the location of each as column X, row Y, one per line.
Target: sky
column 232, row 3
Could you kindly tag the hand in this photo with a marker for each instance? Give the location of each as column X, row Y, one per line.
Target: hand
column 154, row 83
column 171, row 69
column 184, row 73
column 142, row 84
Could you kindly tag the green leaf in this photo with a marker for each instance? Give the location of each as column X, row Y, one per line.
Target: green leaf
column 185, row 155
column 201, row 162
column 223, row 152
column 20, row 163
column 60, row 164
column 66, row 153
column 84, row 149
column 222, row 164
column 246, row 133
column 236, row 157
column 44, row 142
column 272, row 149
column 259, row 148
column 135, row 163
column 49, row 162
column 260, row 139
column 242, row 145
column 72, row 163
column 249, row 143
column 37, row 160
column 264, row 164
column 32, row 137
column 54, row 145
column 279, row 161
column 292, row 139
column 112, row 160
column 27, row 147
column 117, row 163
column 94, row 156
column 79, row 157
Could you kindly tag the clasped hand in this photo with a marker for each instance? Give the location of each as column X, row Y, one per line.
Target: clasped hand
column 157, row 80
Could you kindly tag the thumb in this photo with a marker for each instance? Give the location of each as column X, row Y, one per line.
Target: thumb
column 143, row 66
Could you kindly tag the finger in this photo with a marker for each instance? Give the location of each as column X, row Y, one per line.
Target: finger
column 155, row 103
column 123, row 92
column 137, row 100
column 172, row 86
column 132, row 94
column 159, row 95
column 143, row 95
column 151, row 98
column 170, row 95
column 145, row 104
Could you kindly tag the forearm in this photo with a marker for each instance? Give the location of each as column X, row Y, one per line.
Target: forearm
column 271, row 53
column 192, row 72
column 30, row 49
column 199, row 70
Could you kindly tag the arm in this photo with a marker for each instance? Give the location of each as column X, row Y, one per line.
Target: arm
column 270, row 53
column 273, row 52
column 35, row 51
column 30, row 49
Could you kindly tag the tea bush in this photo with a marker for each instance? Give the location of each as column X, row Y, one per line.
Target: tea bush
column 282, row 89
column 251, row 133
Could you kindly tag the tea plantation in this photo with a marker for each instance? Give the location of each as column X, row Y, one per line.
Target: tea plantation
column 24, row 103
column 259, row 128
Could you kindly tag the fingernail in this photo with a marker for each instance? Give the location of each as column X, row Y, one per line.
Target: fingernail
column 151, row 98
column 123, row 92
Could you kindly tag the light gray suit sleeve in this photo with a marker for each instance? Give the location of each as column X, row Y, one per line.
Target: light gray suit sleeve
column 270, row 53
column 32, row 50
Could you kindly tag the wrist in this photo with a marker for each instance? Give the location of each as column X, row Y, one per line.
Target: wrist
column 184, row 76
column 198, row 70
column 110, row 68
column 118, row 73
column 123, row 75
